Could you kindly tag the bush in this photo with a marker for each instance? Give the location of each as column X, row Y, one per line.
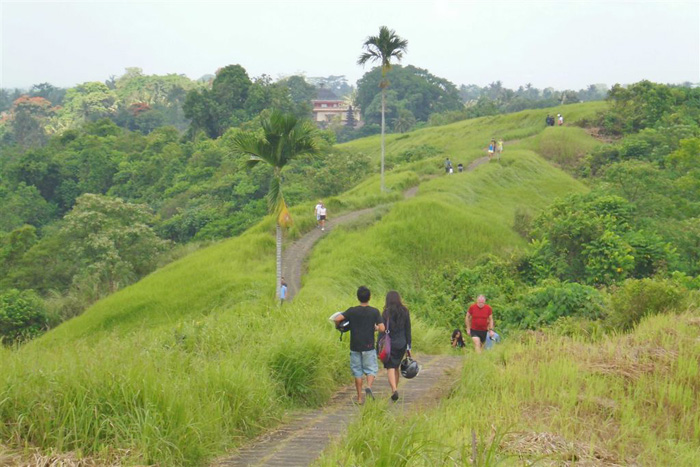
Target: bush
column 636, row 299
column 22, row 316
column 545, row 304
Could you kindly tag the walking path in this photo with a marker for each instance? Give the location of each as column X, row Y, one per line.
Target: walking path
column 301, row 442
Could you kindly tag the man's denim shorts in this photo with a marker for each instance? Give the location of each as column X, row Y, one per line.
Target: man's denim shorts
column 364, row 363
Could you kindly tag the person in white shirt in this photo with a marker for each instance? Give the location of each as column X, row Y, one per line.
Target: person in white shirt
column 322, row 216
column 318, row 216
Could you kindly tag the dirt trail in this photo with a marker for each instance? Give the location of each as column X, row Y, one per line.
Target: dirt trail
column 301, row 442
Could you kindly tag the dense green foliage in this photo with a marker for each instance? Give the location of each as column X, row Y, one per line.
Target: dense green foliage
column 413, row 94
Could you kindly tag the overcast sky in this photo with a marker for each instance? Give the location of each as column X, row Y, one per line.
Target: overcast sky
column 563, row 44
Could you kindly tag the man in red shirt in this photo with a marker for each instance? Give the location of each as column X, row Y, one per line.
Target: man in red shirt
column 479, row 322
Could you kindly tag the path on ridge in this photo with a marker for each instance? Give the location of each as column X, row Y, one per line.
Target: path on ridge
column 295, row 254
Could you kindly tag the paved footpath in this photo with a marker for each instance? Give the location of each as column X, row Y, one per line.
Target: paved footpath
column 302, row 441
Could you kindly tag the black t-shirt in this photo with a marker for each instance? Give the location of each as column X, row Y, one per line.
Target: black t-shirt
column 362, row 320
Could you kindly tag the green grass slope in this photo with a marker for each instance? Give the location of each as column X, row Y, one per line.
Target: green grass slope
column 466, row 140
column 197, row 356
column 546, row 400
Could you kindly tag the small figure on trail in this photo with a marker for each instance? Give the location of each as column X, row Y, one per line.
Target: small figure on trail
column 492, row 148
column 479, row 322
column 457, row 339
column 322, row 216
column 364, row 321
column 448, row 165
column 550, row 120
column 318, row 216
column 499, row 148
column 283, row 291
column 397, row 321
column 561, row 119
column 460, row 167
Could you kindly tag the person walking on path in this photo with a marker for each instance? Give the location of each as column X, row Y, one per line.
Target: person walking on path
column 364, row 321
column 283, row 291
column 322, row 216
column 318, row 216
column 561, row 119
column 448, row 166
column 499, row 148
column 479, row 322
column 492, row 148
column 397, row 321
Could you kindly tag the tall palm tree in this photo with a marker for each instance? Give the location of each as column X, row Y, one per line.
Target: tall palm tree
column 284, row 137
column 383, row 48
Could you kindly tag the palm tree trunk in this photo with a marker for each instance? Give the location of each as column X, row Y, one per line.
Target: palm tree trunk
column 279, row 261
column 382, row 171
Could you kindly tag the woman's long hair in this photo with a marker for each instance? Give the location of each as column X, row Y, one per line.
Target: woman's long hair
column 395, row 312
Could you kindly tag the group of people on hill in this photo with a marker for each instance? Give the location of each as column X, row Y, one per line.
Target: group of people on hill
column 495, row 147
column 449, row 169
column 478, row 322
column 320, row 212
column 364, row 321
column 550, row 120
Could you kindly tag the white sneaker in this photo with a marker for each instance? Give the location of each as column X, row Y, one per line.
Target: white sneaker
column 322, row 228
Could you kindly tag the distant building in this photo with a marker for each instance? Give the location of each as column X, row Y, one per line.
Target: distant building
column 328, row 107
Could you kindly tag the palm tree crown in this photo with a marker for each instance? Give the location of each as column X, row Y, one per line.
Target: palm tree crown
column 383, row 48
column 284, row 137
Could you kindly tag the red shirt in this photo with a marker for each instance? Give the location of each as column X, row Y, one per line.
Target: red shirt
column 480, row 317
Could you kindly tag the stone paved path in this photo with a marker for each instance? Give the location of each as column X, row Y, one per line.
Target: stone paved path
column 302, row 441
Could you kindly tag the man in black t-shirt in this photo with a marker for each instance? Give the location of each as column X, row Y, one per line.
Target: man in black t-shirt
column 364, row 321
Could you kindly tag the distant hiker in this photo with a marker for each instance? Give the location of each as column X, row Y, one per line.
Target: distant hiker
column 322, row 216
column 491, row 149
column 457, row 339
column 460, row 167
column 561, row 119
column 397, row 321
column 283, row 291
column 318, row 216
column 550, row 120
column 479, row 322
column 448, row 165
column 499, row 148
column 364, row 320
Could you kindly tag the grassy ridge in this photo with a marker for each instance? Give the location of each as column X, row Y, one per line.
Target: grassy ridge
column 625, row 400
column 180, row 366
column 465, row 141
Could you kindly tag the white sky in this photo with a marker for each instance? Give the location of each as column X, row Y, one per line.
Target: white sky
column 563, row 44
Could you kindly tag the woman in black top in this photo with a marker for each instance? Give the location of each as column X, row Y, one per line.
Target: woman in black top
column 398, row 321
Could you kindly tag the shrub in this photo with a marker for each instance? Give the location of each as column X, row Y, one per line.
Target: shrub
column 636, row 299
column 552, row 300
column 22, row 316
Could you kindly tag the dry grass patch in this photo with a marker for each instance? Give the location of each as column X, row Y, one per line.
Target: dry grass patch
column 556, row 450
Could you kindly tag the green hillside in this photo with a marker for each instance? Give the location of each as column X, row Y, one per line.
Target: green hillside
column 178, row 367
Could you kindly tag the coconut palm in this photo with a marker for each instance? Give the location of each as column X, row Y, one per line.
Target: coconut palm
column 284, row 137
column 383, row 48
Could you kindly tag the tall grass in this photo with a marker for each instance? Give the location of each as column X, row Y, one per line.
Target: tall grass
column 198, row 356
column 625, row 400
